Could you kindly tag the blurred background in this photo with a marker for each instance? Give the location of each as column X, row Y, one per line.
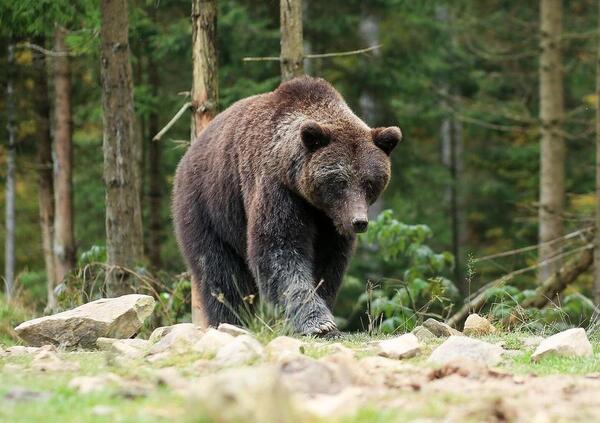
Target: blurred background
column 476, row 86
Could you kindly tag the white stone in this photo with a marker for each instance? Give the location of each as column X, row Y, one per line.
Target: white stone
column 284, row 346
column 129, row 348
column 477, row 325
column 48, row 361
column 463, row 347
column 243, row 349
column 569, row 343
column 179, row 339
column 212, row 341
column 404, row 346
column 119, row 317
column 160, row 332
column 232, row 330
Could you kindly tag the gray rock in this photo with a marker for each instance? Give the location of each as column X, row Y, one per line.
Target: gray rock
column 246, row 394
column 404, row 346
column 243, row 349
column 48, row 361
column 283, row 347
column 569, row 343
column 120, row 317
column 160, row 332
column 212, row 341
column 306, row 375
column 463, row 347
column 477, row 325
column 179, row 339
column 532, row 341
column 440, row 329
column 130, row 348
column 423, row 334
column 232, row 330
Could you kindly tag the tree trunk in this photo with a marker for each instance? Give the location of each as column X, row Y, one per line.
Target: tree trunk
column 292, row 51
column 9, row 247
column 155, row 191
column 205, row 91
column 597, row 237
column 205, row 82
column 452, row 149
column 122, row 152
column 64, row 238
column 45, row 173
column 552, row 148
column 452, row 152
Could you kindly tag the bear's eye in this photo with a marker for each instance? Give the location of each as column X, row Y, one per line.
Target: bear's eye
column 372, row 189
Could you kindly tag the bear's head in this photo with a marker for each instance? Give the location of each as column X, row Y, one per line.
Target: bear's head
column 345, row 170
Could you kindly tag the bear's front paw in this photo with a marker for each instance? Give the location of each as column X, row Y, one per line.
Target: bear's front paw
column 319, row 327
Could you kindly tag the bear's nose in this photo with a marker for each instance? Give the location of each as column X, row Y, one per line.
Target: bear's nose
column 359, row 224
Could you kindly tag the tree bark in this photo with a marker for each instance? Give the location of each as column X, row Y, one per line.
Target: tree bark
column 597, row 237
column 452, row 159
column 205, row 92
column 155, row 182
column 552, row 147
column 45, row 173
column 64, row 238
column 9, row 246
column 205, row 81
column 122, row 152
column 292, row 51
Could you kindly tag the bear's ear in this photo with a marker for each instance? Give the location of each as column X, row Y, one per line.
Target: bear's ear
column 387, row 138
column 314, row 136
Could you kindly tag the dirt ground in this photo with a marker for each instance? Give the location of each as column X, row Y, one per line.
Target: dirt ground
column 337, row 381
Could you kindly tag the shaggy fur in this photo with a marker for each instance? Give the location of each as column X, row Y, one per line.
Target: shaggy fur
column 268, row 200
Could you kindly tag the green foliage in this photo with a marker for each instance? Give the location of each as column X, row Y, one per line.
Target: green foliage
column 422, row 290
column 11, row 314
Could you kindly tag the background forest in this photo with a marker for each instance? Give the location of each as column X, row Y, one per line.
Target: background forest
column 461, row 78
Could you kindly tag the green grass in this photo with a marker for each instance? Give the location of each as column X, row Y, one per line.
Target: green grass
column 64, row 404
column 11, row 314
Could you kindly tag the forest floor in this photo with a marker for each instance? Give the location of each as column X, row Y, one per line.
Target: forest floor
column 341, row 380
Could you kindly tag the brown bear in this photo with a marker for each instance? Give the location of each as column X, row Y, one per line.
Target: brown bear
column 267, row 202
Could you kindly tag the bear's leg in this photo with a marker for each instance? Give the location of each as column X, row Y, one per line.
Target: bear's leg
column 281, row 232
column 223, row 280
column 332, row 255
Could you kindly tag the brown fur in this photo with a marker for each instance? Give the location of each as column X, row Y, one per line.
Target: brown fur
column 269, row 197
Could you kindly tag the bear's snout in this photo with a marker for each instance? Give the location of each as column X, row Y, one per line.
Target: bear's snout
column 360, row 224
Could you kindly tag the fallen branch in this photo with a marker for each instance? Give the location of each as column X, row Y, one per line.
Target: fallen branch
column 478, row 300
column 314, row 56
column 534, row 247
column 172, row 122
column 44, row 51
column 557, row 283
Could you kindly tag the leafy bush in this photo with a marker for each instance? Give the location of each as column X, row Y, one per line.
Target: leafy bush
column 420, row 291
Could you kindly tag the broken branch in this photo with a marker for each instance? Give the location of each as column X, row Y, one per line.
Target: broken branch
column 172, row 122
column 314, row 56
